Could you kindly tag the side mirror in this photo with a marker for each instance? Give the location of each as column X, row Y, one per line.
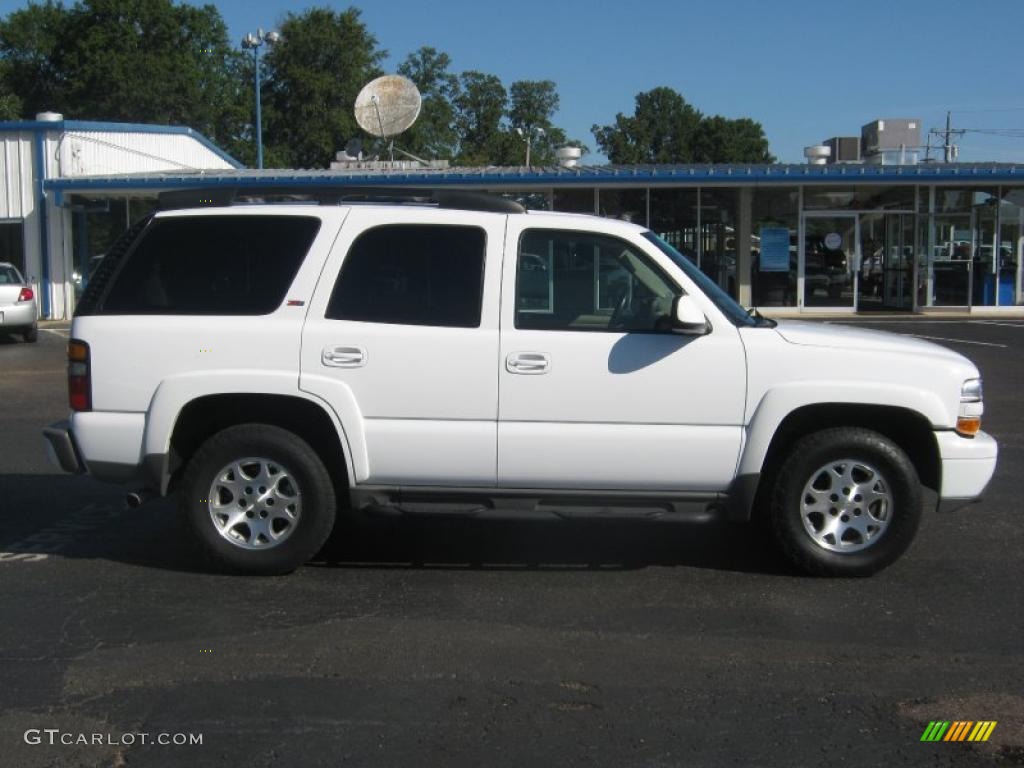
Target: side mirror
column 687, row 317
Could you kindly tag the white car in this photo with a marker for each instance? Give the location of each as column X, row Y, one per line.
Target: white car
column 279, row 365
column 17, row 304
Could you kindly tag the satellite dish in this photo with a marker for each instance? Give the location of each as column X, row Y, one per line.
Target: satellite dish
column 387, row 106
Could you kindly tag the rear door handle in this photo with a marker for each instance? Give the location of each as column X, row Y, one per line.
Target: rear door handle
column 527, row 362
column 343, row 357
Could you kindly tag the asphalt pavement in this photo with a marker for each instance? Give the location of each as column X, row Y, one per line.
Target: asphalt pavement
column 499, row 644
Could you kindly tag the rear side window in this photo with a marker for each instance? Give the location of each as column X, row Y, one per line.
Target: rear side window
column 412, row 274
column 211, row 265
column 8, row 276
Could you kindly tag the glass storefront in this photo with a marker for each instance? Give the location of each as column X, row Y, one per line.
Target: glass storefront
column 853, row 247
column 831, row 245
column 886, row 271
column 625, row 204
column 573, row 200
column 1011, row 246
column 674, row 218
column 775, row 219
column 718, row 219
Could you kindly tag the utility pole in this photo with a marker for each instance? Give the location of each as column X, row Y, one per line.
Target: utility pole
column 947, row 147
column 950, row 150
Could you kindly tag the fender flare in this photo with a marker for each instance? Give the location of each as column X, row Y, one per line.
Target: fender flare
column 176, row 392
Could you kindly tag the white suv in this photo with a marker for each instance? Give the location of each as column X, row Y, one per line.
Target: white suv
column 279, row 364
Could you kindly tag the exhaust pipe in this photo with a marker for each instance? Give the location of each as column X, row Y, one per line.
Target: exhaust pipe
column 136, row 499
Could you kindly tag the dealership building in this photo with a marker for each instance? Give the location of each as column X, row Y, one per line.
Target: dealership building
column 839, row 237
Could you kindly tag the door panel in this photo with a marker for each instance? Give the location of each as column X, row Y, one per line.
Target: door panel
column 611, row 409
column 427, row 393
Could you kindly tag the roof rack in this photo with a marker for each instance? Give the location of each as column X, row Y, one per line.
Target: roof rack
column 326, row 194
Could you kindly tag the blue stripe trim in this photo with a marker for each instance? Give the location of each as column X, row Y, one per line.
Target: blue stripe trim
column 60, row 126
column 39, row 161
column 508, row 177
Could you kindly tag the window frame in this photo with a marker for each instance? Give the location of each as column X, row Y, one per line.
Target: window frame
column 346, row 263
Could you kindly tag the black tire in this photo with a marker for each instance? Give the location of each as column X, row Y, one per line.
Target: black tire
column 31, row 335
column 311, row 478
column 802, row 464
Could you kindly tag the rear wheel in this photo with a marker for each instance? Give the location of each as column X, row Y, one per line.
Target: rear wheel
column 846, row 502
column 259, row 499
column 31, row 335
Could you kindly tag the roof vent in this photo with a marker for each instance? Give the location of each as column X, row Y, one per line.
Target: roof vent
column 569, row 157
column 49, row 117
column 818, row 154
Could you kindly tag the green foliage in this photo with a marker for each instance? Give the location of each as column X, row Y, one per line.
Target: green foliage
column 32, row 44
column 160, row 61
column 433, row 134
column 480, row 102
column 532, row 106
column 721, row 140
column 313, row 77
column 661, row 130
column 126, row 60
column 10, row 102
column 664, row 128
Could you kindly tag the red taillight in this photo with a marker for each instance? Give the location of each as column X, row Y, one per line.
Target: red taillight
column 79, row 384
column 26, row 294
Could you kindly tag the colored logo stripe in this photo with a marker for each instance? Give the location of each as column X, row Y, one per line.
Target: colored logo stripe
column 935, row 730
column 958, row 730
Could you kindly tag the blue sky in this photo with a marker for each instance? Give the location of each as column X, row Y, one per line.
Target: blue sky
column 805, row 70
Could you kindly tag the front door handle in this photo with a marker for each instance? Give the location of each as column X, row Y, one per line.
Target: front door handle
column 343, row 357
column 527, row 362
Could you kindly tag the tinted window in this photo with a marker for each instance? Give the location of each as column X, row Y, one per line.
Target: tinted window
column 575, row 281
column 212, row 265
column 412, row 275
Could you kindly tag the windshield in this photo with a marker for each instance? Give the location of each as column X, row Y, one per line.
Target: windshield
column 737, row 314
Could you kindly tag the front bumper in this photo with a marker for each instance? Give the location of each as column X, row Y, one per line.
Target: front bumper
column 61, row 448
column 968, row 464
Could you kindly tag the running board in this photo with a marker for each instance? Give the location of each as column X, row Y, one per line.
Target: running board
column 519, row 504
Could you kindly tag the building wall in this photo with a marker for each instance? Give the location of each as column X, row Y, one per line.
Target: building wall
column 94, row 153
column 73, row 152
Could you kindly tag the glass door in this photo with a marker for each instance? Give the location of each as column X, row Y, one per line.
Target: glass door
column 830, row 260
column 898, row 269
column 887, row 261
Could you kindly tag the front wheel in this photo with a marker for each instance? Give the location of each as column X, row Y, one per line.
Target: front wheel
column 259, row 499
column 846, row 502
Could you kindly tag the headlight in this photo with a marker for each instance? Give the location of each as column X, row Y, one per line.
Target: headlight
column 971, row 391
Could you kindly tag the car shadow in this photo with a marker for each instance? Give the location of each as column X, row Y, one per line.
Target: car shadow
column 72, row 517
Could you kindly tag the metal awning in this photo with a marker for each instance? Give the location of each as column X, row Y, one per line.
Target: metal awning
column 552, row 176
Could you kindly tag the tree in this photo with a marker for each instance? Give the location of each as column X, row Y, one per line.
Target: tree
column 480, row 102
column 32, row 41
column 433, row 134
column 665, row 129
column 313, row 78
column 721, row 140
column 532, row 107
column 128, row 60
column 661, row 130
column 10, row 102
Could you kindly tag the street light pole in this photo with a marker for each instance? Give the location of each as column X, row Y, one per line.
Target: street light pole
column 528, row 136
column 255, row 42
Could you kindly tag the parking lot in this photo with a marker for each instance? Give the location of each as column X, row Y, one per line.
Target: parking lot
column 472, row 643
